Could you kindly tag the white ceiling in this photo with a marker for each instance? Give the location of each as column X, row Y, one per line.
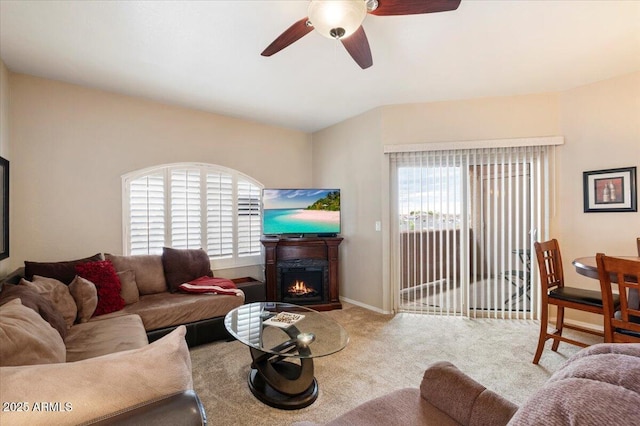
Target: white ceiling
column 206, row 54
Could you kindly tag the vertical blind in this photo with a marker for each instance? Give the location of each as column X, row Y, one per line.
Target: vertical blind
column 465, row 223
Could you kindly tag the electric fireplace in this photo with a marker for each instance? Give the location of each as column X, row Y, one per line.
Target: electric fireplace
column 303, row 281
column 302, row 271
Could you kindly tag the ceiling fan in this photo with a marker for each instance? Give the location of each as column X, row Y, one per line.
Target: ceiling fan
column 342, row 20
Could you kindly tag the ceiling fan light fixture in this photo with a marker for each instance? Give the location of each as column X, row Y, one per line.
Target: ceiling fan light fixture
column 337, row 18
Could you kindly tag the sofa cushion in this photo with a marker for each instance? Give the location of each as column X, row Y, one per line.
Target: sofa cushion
column 183, row 265
column 401, row 407
column 101, row 337
column 472, row 402
column 27, row 338
column 597, row 386
column 129, row 290
column 581, row 402
column 147, row 269
column 99, row 386
column 57, row 293
column 619, row 369
column 85, row 294
column 34, row 300
column 61, row 271
column 103, row 275
column 166, row 309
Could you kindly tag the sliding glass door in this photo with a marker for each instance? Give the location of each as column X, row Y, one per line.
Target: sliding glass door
column 465, row 225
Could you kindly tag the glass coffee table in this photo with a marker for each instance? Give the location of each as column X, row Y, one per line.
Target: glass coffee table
column 283, row 340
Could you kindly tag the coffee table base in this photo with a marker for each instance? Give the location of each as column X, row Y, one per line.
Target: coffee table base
column 273, row 398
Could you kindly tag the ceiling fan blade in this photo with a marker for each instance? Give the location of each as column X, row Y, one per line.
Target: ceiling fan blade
column 358, row 47
column 414, row 7
column 291, row 35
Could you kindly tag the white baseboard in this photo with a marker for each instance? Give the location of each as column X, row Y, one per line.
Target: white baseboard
column 552, row 320
column 363, row 305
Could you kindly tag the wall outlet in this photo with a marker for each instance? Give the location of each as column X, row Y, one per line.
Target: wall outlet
column 378, row 226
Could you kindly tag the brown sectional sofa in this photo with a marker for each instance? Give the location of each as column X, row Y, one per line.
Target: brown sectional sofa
column 80, row 348
column 161, row 311
column 127, row 383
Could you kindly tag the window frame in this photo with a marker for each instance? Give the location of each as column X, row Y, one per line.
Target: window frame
column 235, row 260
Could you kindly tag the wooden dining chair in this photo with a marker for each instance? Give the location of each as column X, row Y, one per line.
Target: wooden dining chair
column 621, row 323
column 554, row 292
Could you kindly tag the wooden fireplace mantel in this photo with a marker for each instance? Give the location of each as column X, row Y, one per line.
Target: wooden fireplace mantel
column 282, row 249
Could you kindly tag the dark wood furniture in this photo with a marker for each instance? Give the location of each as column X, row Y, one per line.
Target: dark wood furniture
column 273, row 378
column 622, row 323
column 554, row 292
column 588, row 267
column 254, row 290
column 279, row 249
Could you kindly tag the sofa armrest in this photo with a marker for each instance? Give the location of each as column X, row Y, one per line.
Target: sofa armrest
column 184, row 408
column 462, row 398
column 13, row 278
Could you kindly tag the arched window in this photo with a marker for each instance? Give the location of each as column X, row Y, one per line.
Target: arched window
column 193, row 205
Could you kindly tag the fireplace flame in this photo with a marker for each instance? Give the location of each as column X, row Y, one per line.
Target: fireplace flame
column 299, row 288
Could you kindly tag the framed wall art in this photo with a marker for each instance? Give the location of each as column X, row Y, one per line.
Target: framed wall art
column 4, row 208
column 611, row 190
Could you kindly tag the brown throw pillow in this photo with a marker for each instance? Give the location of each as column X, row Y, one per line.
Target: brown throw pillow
column 184, row 265
column 85, row 294
column 58, row 294
column 147, row 269
column 34, row 300
column 61, row 271
column 129, row 291
column 26, row 338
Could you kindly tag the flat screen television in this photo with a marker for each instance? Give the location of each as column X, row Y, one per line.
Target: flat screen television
column 312, row 211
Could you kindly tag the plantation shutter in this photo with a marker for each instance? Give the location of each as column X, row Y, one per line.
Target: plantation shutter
column 146, row 214
column 249, row 219
column 186, row 218
column 219, row 215
column 192, row 206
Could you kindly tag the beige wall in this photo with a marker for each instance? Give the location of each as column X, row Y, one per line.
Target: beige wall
column 476, row 119
column 362, row 170
column 349, row 156
column 601, row 125
column 71, row 145
column 4, row 111
column 5, row 265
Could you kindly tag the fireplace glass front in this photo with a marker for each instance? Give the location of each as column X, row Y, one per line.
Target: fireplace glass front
column 302, row 286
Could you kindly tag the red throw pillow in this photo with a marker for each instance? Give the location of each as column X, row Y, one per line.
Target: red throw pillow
column 211, row 285
column 105, row 278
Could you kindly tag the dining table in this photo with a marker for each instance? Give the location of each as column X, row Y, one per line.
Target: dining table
column 588, row 267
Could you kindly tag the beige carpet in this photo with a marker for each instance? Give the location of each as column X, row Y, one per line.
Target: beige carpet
column 385, row 353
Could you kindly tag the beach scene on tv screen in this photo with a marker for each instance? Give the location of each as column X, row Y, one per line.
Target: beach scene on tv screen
column 301, row 211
